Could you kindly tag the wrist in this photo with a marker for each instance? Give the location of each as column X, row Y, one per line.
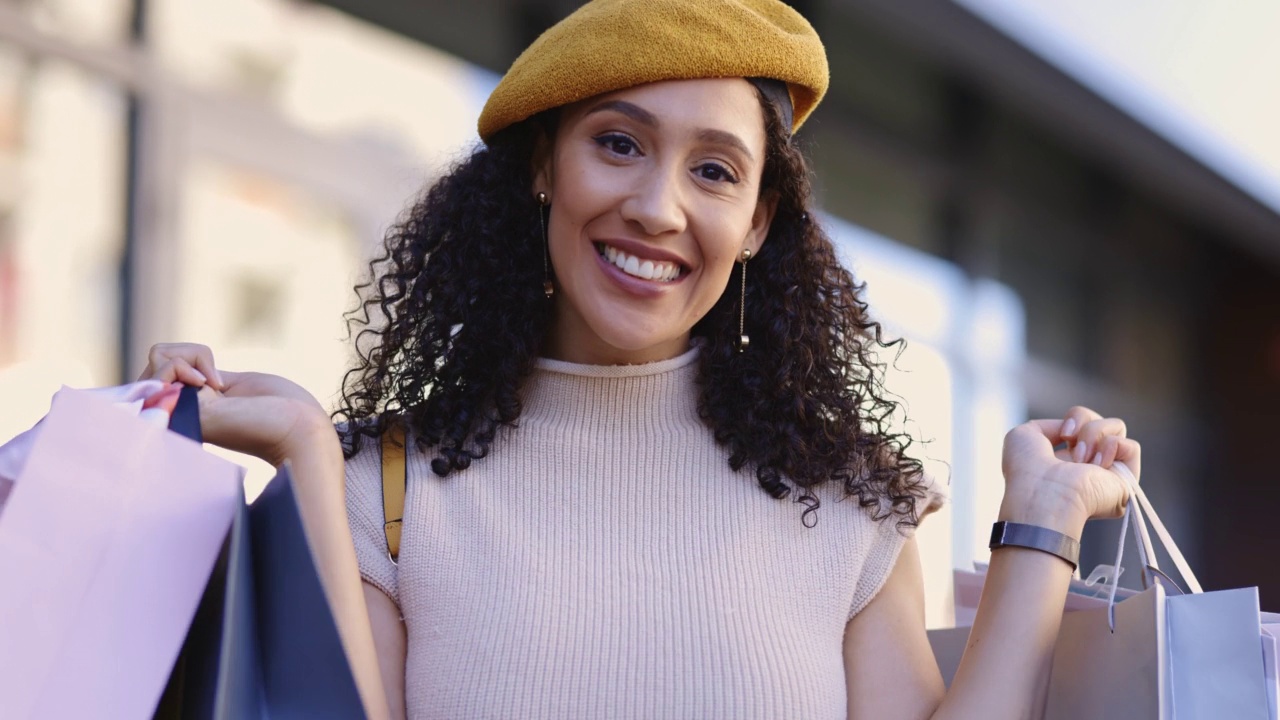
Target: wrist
column 310, row 433
column 1044, row 503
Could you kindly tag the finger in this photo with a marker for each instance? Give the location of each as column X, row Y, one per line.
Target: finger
column 1051, row 429
column 179, row 370
column 1075, row 419
column 165, row 372
column 1129, row 452
column 188, row 374
column 1087, row 439
column 1108, row 446
column 157, row 357
column 203, row 361
column 197, row 356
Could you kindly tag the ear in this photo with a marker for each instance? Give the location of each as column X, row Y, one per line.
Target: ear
column 543, row 151
column 761, row 220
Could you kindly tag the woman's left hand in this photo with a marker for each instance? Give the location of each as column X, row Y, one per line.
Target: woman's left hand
column 1064, row 487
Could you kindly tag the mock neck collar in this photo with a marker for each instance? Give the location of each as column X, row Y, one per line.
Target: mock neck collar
column 655, row 396
column 658, row 367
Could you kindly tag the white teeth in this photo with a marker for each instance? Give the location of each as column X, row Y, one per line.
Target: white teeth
column 634, row 266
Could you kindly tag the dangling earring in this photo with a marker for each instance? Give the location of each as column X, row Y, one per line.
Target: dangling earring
column 743, row 340
column 548, row 289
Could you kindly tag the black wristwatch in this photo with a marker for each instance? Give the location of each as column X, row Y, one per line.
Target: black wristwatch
column 1011, row 534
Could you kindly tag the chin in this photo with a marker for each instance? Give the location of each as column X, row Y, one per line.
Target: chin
column 638, row 343
column 643, row 346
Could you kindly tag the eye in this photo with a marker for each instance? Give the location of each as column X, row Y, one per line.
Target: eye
column 618, row 144
column 716, row 172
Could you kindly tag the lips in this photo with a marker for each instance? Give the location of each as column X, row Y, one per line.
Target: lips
column 652, row 269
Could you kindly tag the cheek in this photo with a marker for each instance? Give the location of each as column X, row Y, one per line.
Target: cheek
column 577, row 198
column 719, row 256
column 722, row 236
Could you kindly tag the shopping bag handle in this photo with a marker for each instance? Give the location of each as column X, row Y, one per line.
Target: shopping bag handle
column 1166, row 539
column 1142, row 541
column 1137, row 506
column 185, row 419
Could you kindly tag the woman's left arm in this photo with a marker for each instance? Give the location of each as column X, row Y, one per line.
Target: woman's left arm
column 890, row 669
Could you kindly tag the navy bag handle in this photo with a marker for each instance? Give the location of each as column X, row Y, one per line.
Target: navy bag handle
column 185, row 419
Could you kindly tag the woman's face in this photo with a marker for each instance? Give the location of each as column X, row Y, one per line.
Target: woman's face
column 655, row 193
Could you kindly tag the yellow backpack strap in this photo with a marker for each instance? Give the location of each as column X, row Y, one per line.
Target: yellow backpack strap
column 393, row 482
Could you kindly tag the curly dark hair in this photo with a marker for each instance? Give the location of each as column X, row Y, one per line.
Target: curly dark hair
column 452, row 319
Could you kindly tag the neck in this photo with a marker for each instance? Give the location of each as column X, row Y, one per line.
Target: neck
column 570, row 342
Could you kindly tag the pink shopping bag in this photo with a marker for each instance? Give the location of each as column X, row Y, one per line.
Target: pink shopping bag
column 107, row 540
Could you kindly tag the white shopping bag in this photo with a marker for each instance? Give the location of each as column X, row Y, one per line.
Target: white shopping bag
column 1149, row 655
column 1269, row 647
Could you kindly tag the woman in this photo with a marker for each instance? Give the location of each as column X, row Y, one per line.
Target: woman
column 616, row 338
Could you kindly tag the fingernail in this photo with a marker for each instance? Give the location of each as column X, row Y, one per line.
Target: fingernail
column 1097, row 458
column 1068, row 427
column 217, row 376
column 1078, row 453
column 200, row 375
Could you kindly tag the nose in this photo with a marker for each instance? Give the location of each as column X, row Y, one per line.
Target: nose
column 656, row 202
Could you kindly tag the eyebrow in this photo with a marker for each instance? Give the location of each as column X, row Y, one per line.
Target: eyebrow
column 644, row 117
column 720, row 137
column 631, row 110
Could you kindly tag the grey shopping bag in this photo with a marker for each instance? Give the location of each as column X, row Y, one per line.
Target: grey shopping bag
column 1153, row 655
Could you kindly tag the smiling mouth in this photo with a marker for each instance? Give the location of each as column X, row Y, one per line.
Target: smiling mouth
column 657, row 271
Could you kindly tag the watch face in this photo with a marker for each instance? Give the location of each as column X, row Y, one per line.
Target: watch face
column 997, row 535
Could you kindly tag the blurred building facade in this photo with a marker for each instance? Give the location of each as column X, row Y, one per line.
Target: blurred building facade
column 221, row 171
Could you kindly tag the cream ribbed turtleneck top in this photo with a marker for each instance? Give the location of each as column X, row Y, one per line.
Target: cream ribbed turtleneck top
column 605, row 562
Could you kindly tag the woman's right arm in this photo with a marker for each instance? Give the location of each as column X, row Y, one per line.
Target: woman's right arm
column 276, row 420
column 319, row 485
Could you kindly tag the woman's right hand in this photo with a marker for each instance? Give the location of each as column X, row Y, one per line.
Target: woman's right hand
column 275, row 419
column 258, row 414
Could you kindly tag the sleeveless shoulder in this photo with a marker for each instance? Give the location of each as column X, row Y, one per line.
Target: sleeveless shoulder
column 882, row 544
column 364, row 513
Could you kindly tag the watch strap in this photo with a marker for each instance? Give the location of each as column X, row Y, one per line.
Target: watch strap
column 1011, row 534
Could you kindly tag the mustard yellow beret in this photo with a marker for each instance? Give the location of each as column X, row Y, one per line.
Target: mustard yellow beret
column 609, row 45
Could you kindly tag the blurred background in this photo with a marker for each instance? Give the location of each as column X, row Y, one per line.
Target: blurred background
column 1055, row 203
